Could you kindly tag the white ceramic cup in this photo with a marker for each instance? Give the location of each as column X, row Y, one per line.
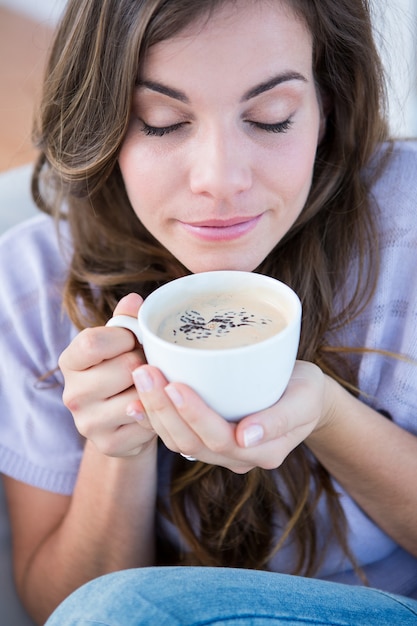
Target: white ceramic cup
column 233, row 381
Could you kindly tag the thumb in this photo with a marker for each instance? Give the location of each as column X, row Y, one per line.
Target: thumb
column 129, row 305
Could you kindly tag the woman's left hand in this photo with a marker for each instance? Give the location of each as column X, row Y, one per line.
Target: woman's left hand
column 369, row 455
column 187, row 425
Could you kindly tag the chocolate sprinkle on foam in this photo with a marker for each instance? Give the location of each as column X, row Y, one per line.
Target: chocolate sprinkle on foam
column 195, row 326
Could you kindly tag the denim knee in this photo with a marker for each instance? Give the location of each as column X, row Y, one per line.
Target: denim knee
column 197, row 596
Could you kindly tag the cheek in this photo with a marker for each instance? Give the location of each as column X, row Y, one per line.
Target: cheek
column 300, row 175
column 147, row 172
column 292, row 175
column 298, row 164
column 138, row 173
column 132, row 162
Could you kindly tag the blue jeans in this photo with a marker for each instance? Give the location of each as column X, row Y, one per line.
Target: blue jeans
column 197, row 596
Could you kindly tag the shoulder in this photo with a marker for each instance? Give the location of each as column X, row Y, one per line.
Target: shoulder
column 395, row 190
column 38, row 441
column 33, row 262
column 400, row 158
column 34, row 244
column 388, row 323
column 394, row 199
column 33, row 269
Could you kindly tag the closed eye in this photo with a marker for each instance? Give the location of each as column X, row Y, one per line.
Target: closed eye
column 160, row 131
column 278, row 127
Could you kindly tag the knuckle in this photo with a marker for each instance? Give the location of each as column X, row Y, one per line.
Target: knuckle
column 89, row 342
column 156, row 406
column 85, row 427
column 62, row 360
column 108, row 447
column 104, row 439
column 131, row 360
column 219, row 447
column 190, row 449
column 71, row 401
column 71, row 404
column 281, row 426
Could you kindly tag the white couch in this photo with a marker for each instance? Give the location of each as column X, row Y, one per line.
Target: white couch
column 15, row 205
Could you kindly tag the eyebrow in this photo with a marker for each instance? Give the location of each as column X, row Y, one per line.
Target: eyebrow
column 257, row 90
column 271, row 83
column 164, row 89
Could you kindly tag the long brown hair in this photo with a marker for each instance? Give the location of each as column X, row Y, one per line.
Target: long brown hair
column 82, row 121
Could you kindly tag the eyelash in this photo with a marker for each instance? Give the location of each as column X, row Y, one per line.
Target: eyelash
column 279, row 127
column 160, row 131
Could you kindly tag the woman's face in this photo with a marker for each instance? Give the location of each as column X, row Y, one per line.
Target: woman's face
column 219, row 155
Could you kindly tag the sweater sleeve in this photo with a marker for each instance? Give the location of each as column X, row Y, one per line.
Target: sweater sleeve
column 39, row 443
column 387, row 326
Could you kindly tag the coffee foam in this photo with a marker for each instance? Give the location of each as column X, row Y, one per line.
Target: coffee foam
column 217, row 321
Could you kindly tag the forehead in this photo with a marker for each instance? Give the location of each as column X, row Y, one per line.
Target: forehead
column 240, row 36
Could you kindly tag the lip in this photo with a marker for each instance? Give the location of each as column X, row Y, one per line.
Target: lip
column 222, row 230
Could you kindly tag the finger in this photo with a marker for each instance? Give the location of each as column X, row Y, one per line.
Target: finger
column 99, row 383
column 105, row 416
column 128, row 440
column 95, row 345
column 109, row 426
column 187, row 425
column 215, row 433
column 162, row 414
column 293, row 417
column 135, row 410
column 129, row 305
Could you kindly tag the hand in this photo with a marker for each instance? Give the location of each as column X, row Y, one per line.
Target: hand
column 97, row 367
column 264, row 439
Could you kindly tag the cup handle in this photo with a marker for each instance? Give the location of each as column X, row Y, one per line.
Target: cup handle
column 126, row 321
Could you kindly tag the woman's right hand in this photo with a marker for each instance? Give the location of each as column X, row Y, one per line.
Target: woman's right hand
column 108, row 522
column 97, row 367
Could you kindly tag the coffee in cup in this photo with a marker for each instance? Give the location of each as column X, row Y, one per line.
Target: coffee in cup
column 219, row 321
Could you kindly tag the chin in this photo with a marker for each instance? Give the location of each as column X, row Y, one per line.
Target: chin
column 243, row 265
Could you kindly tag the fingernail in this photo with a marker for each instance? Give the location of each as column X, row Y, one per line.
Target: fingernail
column 174, row 395
column 252, row 435
column 131, row 411
column 142, row 379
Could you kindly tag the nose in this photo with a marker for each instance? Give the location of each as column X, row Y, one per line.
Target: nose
column 220, row 165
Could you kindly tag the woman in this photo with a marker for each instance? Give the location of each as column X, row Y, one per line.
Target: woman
column 180, row 137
